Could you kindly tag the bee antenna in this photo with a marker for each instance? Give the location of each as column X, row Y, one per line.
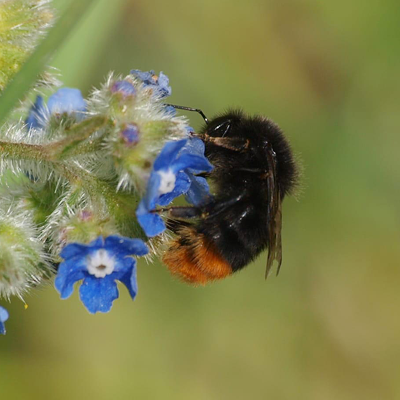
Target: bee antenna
column 190, row 109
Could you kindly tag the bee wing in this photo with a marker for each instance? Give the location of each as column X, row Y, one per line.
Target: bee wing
column 274, row 216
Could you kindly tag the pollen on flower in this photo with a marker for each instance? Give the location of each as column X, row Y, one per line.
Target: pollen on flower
column 168, row 180
column 100, row 264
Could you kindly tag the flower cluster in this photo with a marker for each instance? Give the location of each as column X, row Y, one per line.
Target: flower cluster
column 95, row 174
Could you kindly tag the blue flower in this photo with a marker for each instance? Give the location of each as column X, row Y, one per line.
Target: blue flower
column 172, row 175
column 65, row 100
column 99, row 264
column 3, row 318
column 159, row 84
column 130, row 135
column 124, row 87
column 37, row 115
column 199, row 191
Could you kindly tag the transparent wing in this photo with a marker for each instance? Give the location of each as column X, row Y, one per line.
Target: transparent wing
column 274, row 216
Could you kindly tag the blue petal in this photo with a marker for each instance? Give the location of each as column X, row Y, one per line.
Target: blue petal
column 142, row 209
column 98, row 294
column 128, row 276
column 97, row 243
column 199, row 192
column 66, row 100
column 2, row 328
column 37, row 114
column 182, row 185
column 69, row 272
column 168, row 154
column 151, row 223
column 123, row 264
column 81, row 250
column 124, row 87
column 195, row 146
column 3, row 314
column 73, row 250
column 151, row 195
column 192, row 161
column 122, row 246
column 145, row 77
column 163, row 85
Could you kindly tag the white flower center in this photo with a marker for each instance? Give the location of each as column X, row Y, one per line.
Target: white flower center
column 167, row 183
column 100, row 264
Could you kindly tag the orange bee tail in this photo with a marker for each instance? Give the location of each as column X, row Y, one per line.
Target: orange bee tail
column 195, row 259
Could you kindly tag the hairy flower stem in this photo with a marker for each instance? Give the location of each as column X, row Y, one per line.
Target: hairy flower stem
column 25, row 151
column 54, row 152
column 77, row 134
column 75, row 175
column 85, row 147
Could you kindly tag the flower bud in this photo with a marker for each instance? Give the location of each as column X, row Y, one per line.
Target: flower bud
column 22, row 261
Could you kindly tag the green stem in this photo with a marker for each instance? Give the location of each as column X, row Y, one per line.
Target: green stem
column 24, row 151
column 36, row 63
column 87, row 147
column 57, row 151
column 77, row 134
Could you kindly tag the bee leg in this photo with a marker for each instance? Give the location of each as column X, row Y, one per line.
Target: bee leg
column 211, row 209
column 262, row 172
column 180, row 212
column 235, row 144
column 203, row 174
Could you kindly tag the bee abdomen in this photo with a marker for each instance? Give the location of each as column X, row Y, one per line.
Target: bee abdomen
column 239, row 234
column 195, row 259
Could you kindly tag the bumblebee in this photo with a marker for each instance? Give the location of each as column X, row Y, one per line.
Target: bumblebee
column 254, row 169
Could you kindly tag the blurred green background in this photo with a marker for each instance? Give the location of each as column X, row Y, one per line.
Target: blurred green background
column 329, row 326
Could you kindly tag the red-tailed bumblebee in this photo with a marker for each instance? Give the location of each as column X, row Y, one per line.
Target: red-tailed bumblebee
column 254, row 169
